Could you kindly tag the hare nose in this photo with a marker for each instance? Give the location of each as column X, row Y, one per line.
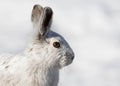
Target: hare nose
column 71, row 56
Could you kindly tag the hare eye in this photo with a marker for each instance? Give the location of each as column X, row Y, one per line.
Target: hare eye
column 56, row 44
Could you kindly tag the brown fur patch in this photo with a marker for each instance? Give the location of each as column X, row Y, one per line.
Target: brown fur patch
column 6, row 67
column 30, row 49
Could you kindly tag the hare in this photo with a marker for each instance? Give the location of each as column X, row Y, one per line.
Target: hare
column 41, row 62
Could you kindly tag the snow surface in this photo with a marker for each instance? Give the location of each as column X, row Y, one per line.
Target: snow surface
column 92, row 27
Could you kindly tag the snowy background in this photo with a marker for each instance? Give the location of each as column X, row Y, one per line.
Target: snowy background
column 92, row 27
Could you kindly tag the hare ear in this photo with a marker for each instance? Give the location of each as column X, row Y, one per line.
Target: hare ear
column 35, row 18
column 36, row 14
column 41, row 18
column 45, row 21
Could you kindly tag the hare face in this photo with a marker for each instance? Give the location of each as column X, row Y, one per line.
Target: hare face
column 53, row 50
column 49, row 46
column 60, row 47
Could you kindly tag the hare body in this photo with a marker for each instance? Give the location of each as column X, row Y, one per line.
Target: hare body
column 40, row 64
column 26, row 71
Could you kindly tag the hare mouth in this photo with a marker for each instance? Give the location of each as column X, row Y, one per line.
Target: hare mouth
column 68, row 61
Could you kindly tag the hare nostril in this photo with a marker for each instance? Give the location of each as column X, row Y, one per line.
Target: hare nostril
column 72, row 57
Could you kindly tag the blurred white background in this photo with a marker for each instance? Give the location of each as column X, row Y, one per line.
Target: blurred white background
column 92, row 28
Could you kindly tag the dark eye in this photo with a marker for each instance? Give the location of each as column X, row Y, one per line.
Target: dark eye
column 56, row 44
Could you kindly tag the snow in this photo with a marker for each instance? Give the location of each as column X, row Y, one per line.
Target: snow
column 92, row 27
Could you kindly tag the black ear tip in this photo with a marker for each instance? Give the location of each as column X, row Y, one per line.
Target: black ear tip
column 48, row 11
column 35, row 6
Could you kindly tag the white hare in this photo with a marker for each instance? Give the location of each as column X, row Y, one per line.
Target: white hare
column 40, row 65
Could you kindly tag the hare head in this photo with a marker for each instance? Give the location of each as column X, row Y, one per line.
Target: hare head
column 48, row 46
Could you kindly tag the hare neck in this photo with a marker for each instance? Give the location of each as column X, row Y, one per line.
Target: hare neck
column 43, row 74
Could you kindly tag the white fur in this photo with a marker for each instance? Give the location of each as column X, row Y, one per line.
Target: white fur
column 40, row 64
